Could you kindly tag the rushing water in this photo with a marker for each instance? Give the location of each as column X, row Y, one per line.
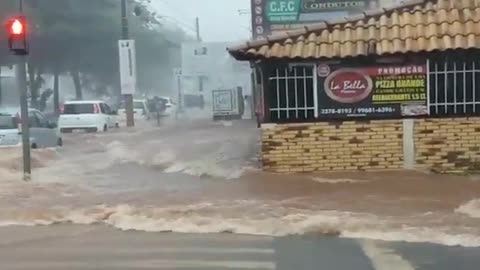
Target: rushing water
column 203, row 177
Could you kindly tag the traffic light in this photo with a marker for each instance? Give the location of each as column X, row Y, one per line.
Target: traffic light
column 17, row 35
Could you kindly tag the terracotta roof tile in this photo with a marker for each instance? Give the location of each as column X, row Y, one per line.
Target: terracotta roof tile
column 418, row 25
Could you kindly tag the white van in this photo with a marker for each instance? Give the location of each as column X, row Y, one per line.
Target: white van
column 91, row 116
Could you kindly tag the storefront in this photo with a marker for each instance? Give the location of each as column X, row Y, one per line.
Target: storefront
column 391, row 89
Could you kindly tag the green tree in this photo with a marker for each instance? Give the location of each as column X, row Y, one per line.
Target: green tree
column 80, row 38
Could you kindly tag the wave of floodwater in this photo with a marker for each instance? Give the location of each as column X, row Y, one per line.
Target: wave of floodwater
column 242, row 217
column 169, row 160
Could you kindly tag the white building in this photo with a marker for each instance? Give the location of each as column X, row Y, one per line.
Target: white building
column 207, row 66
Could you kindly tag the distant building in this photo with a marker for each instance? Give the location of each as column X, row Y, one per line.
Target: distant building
column 207, row 66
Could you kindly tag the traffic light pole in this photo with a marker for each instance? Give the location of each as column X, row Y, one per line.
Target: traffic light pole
column 129, row 97
column 22, row 87
column 22, row 90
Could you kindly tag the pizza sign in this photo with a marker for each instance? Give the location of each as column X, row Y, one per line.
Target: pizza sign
column 377, row 91
column 348, row 85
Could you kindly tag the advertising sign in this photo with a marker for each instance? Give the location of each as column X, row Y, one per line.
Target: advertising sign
column 128, row 66
column 222, row 100
column 376, row 91
column 272, row 16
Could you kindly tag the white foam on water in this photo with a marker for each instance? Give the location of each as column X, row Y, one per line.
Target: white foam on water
column 118, row 152
column 206, row 168
column 337, row 181
column 209, row 218
column 471, row 209
column 164, row 157
column 170, row 162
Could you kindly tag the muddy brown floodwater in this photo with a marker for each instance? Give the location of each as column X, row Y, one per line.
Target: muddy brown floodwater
column 204, row 177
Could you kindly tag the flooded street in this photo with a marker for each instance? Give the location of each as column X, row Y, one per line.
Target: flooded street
column 204, row 177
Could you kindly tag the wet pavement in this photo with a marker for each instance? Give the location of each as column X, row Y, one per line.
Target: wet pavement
column 99, row 247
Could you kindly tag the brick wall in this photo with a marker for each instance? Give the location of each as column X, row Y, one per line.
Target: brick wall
column 448, row 145
column 440, row 145
column 366, row 145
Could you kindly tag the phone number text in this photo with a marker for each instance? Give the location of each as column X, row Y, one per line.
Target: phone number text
column 366, row 110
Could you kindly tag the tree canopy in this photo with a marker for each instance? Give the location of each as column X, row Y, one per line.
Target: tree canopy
column 80, row 38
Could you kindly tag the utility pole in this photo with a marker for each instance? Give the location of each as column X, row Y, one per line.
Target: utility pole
column 199, row 40
column 128, row 97
column 197, row 29
column 178, row 75
column 22, row 87
column 21, row 73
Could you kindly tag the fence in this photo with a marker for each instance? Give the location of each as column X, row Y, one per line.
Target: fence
column 292, row 94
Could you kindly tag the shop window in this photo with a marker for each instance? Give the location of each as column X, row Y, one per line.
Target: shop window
column 292, row 93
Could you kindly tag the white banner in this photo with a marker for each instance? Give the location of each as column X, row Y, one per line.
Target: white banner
column 128, row 66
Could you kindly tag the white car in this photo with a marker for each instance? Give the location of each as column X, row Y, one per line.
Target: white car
column 140, row 111
column 43, row 133
column 91, row 116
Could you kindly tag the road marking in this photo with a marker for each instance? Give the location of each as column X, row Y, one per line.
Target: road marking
column 384, row 258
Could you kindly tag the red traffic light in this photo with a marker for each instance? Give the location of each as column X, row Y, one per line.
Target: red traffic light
column 17, row 27
column 17, row 36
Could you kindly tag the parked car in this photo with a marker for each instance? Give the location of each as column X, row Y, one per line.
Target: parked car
column 91, row 116
column 140, row 111
column 43, row 133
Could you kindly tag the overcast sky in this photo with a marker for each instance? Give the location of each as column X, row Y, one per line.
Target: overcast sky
column 219, row 19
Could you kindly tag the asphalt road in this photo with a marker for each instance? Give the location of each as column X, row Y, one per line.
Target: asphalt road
column 99, row 247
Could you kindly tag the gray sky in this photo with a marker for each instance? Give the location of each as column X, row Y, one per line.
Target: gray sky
column 219, row 19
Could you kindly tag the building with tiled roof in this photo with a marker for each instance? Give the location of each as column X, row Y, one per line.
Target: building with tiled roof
column 416, row 26
column 392, row 88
